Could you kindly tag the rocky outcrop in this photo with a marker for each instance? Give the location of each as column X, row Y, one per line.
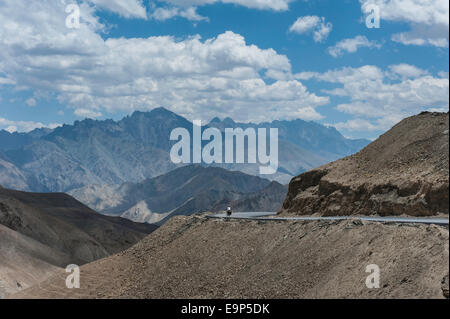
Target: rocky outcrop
column 404, row 172
column 445, row 287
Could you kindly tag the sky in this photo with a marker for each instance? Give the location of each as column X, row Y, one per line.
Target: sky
column 251, row 60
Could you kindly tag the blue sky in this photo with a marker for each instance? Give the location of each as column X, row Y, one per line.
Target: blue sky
column 247, row 59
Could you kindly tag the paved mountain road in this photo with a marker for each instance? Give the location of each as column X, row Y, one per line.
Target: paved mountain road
column 270, row 216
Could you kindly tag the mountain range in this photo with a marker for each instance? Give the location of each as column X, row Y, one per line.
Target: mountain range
column 92, row 152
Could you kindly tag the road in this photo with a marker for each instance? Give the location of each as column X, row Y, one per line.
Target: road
column 270, row 216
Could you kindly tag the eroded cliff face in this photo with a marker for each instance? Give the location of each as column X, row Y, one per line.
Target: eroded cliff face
column 404, row 172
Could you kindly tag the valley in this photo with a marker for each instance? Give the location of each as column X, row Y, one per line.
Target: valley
column 43, row 233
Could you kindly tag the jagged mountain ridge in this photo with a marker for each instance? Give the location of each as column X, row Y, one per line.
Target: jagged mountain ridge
column 9, row 141
column 137, row 147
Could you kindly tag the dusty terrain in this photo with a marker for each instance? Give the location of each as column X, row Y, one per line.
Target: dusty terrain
column 404, row 172
column 25, row 261
column 197, row 257
column 40, row 233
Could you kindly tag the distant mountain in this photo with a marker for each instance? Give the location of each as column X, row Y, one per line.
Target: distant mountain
column 137, row 147
column 14, row 140
column 12, row 176
column 43, row 232
column 267, row 199
column 184, row 191
column 310, row 137
column 11, row 141
column 302, row 146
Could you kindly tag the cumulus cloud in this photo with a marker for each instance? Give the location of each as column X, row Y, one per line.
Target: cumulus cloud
column 188, row 8
column 377, row 100
column 352, row 45
column 276, row 5
column 125, row 8
column 407, row 71
column 429, row 20
column 218, row 76
column 312, row 24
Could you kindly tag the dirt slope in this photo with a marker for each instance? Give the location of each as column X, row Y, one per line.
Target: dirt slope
column 25, row 262
column 404, row 172
column 40, row 233
column 196, row 257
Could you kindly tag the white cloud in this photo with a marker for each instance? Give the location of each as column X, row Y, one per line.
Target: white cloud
column 276, row 5
column 352, row 45
column 188, row 8
column 377, row 100
column 429, row 19
column 190, row 13
column 312, row 24
column 356, row 125
column 23, row 126
column 407, row 71
column 207, row 77
column 414, row 11
column 31, row 102
column 346, row 75
column 305, row 75
column 305, row 24
column 87, row 113
column 5, row 81
column 125, row 8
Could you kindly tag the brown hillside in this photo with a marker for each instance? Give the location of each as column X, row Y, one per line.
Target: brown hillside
column 40, row 233
column 404, row 172
column 197, row 257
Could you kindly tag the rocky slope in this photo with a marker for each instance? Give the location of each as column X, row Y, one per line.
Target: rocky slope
column 184, row 191
column 41, row 232
column 12, row 176
column 404, row 172
column 197, row 257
